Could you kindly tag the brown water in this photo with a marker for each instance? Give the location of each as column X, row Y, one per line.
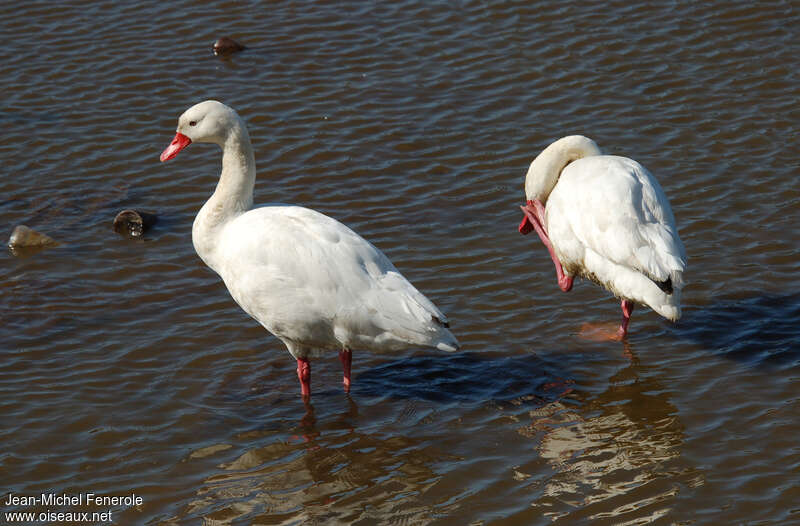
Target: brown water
column 125, row 367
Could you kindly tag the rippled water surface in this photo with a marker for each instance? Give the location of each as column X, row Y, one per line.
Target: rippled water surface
column 126, row 368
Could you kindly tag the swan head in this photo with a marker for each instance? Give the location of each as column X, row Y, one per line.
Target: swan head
column 208, row 121
column 545, row 170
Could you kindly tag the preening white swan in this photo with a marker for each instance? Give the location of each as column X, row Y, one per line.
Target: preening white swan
column 308, row 279
column 607, row 219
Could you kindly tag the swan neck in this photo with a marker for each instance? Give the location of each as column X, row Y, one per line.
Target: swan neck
column 232, row 197
column 542, row 177
column 234, row 192
column 546, row 169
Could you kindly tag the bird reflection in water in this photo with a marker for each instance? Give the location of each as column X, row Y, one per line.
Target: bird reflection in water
column 607, row 449
column 328, row 471
column 307, row 425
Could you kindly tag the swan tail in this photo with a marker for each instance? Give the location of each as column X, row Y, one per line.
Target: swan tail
column 447, row 342
column 667, row 303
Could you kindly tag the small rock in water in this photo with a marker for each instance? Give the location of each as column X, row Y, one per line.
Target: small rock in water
column 226, row 46
column 133, row 223
column 23, row 236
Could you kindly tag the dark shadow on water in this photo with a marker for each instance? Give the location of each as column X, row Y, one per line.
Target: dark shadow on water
column 463, row 377
column 762, row 331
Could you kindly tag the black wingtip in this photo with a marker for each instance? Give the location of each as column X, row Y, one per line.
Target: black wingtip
column 666, row 286
column 440, row 322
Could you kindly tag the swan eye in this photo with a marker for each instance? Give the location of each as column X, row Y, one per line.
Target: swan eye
column 192, row 123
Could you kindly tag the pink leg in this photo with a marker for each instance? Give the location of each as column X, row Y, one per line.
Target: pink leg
column 627, row 310
column 346, row 357
column 304, row 374
column 534, row 218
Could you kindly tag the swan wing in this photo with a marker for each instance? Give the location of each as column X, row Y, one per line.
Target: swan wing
column 613, row 206
column 311, row 279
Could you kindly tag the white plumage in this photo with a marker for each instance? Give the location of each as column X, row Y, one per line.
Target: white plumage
column 308, row 279
column 317, row 285
column 608, row 220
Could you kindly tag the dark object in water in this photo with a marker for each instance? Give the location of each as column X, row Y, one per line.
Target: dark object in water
column 23, row 236
column 133, row 223
column 226, row 46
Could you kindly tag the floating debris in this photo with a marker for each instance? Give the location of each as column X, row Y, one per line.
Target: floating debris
column 226, row 46
column 132, row 223
column 26, row 241
column 23, row 236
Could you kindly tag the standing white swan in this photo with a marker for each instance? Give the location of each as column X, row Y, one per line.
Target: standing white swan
column 607, row 219
column 308, row 279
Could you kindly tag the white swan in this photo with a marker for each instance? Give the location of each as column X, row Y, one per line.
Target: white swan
column 308, row 279
column 607, row 219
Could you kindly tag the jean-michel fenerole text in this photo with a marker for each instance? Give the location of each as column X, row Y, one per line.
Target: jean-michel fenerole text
column 79, row 499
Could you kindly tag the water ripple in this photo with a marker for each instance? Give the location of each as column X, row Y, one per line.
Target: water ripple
column 127, row 368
